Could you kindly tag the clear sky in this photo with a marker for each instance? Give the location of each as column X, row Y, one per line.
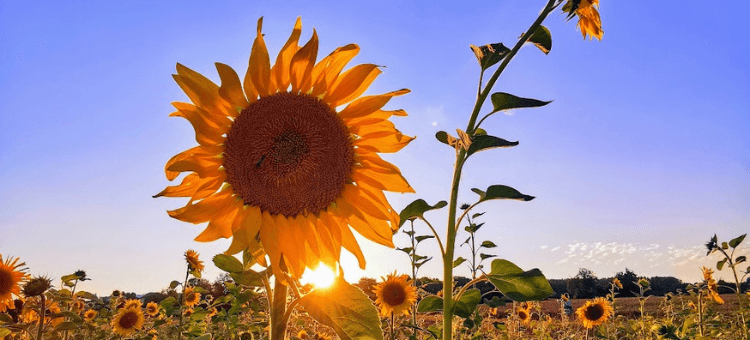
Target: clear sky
column 640, row 159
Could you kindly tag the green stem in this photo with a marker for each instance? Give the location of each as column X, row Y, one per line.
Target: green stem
column 42, row 309
column 469, row 284
column 413, row 277
column 278, row 309
column 182, row 302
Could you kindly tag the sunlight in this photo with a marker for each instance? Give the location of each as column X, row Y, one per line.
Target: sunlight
column 320, row 277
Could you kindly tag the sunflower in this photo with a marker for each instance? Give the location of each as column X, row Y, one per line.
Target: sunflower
column 395, row 295
column 616, row 283
column 77, row 306
column 152, row 309
column 191, row 298
column 303, row 335
column 594, row 312
column 523, row 314
column 191, row 256
column 127, row 321
column 589, row 21
column 133, row 303
column 89, row 315
column 11, row 278
column 712, row 285
column 279, row 168
column 188, row 312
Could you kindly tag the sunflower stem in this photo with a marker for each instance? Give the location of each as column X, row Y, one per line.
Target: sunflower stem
column 182, row 301
column 278, row 309
column 42, row 309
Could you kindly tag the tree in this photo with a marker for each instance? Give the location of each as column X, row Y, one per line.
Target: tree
column 629, row 287
column 584, row 285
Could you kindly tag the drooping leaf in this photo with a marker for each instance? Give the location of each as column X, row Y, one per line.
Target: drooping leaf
column 468, row 302
column 174, row 284
column 86, row 295
column 485, row 142
column 407, row 250
column 423, row 237
column 506, row 101
column 419, row 257
column 542, row 39
column 409, row 232
column 490, row 54
column 457, row 262
column 477, row 215
column 496, row 301
column 720, row 264
column 486, row 256
column 501, row 192
column 228, row 263
column 430, row 304
column 346, row 309
column 417, row 209
column 519, row 285
column 168, row 302
column 740, row 259
column 419, row 264
column 66, row 326
column 736, row 241
column 488, row 244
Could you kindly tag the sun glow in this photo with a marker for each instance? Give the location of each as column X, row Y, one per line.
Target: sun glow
column 321, row 277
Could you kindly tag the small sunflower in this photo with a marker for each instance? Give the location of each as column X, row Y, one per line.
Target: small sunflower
column 395, row 295
column 589, row 21
column 11, row 278
column 188, row 312
column 212, row 312
column 616, row 282
column 90, row 315
column 594, row 312
column 191, row 298
column 152, row 309
column 191, row 256
column 127, row 321
column 77, row 306
column 524, row 315
column 303, row 335
column 133, row 303
column 279, row 168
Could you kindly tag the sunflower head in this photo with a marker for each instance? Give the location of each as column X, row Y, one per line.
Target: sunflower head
column 594, row 312
column 616, row 283
column 191, row 297
column 37, row 286
column 78, row 305
column 133, row 303
column 90, row 315
column 127, row 321
column 188, row 312
column 589, row 21
column 708, row 273
column 152, row 309
column 194, row 264
column 12, row 275
column 395, row 295
column 280, row 168
column 523, row 314
column 303, row 335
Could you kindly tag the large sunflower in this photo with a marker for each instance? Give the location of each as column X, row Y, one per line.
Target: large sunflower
column 594, row 312
column 395, row 295
column 127, row 321
column 278, row 167
column 11, row 278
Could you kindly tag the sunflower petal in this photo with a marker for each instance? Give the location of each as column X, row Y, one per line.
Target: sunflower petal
column 384, row 181
column 187, row 188
column 351, row 84
column 359, row 199
column 201, row 91
column 302, row 65
column 281, row 69
column 203, row 166
column 259, row 68
column 207, row 132
column 327, row 70
column 221, row 225
column 350, row 243
column 384, row 142
column 269, row 239
column 204, row 210
column 364, row 106
column 309, row 233
column 369, row 126
column 231, row 88
column 198, row 151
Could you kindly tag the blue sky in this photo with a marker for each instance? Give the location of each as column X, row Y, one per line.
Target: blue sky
column 640, row 159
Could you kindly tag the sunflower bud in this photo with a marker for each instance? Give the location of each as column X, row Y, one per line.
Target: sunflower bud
column 37, row 286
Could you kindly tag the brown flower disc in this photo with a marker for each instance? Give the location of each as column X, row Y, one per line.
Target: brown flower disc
column 594, row 312
column 6, row 282
column 287, row 154
column 394, row 294
column 128, row 320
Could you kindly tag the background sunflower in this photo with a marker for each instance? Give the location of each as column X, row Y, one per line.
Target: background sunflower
column 395, row 295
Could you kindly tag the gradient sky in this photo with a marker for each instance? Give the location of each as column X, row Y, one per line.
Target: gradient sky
column 640, row 159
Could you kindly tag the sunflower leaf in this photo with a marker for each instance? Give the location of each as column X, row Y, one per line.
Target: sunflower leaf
column 228, row 263
column 486, row 256
column 468, row 302
column 736, row 241
column 423, row 237
column 457, row 262
column 174, row 284
column 430, row 304
column 346, row 309
column 519, row 285
column 542, row 39
column 477, row 215
column 66, row 326
column 417, row 209
column 248, row 278
column 488, row 244
column 501, row 192
column 506, row 101
column 484, row 142
column 490, row 54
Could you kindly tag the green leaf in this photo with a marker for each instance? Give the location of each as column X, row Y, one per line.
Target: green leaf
column 720, row 264
column 430, row 304
column 724, row 245
column 486, row 256
column 86, row 295
column 204, row 337
column 423, row 237
column 468, row 302
column 346, row 309
column 484, row 142
column 442, row 137
column 174, row 284
column 248, row 278
column 409, row 232
column 740, row 259
column 490, row 54
column 228, row 263
column 417, row 209
column 506, row 101
column 501, row 192
column 4, row 332
column 542, row 39
column 488, row 244
column 66, row 326
column 495, row 302
column 736, row 241
column 499, row 326
column 168, row 302
column 457, row 262
column 406, row 250
column 519, row 285
column 5, row 318
column 477, row 215
column 423, row 262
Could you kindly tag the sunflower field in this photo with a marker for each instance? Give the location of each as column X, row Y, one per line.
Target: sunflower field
column 288, row 166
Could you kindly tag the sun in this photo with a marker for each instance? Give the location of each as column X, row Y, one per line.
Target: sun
column 320, row 277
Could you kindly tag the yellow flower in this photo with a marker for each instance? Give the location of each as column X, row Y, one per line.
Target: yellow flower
column 616, row 282
column 191, row 256
column 11, row 278
column 188, row 312
column 303, row 335
column 712, row 285
column 524, row 315
column 90, row 315
column 395, row 295
column 594, row 312
column 77, row 306
column 191, row 298
column 708, row 273
column 589, row 21
column 152, row 309
column 279, row 168
column 133, row 303
column 127, row 321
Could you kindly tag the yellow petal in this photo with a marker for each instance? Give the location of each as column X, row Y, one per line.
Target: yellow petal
column 207, row 132
column 221, row 225
column 198, row 151
column 350, row 243
column 378, row 199
column 259, row 68
column 327, row 70
column 383, row 181
column 231, row 88
column 269, row 239
column 375, row 230
column 383, row 142
column 203, row 166
column 204, row 210
column 328, row 252
column 202, row 91
column 351, row 84
column 359, row 199
column 302, row 65
column 327, row 226
column 364, row 106
column 370, row 126
column 187, row 188
column 281, row 69
column 308, row 231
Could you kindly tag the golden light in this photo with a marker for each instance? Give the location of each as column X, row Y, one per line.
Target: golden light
column 320, row 277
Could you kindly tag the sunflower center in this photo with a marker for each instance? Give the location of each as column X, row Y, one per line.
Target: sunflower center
column 6, row 282
column 522, row 314
column 288, row 154
column 394, row 294
column 128, row 320
column 594, row 312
